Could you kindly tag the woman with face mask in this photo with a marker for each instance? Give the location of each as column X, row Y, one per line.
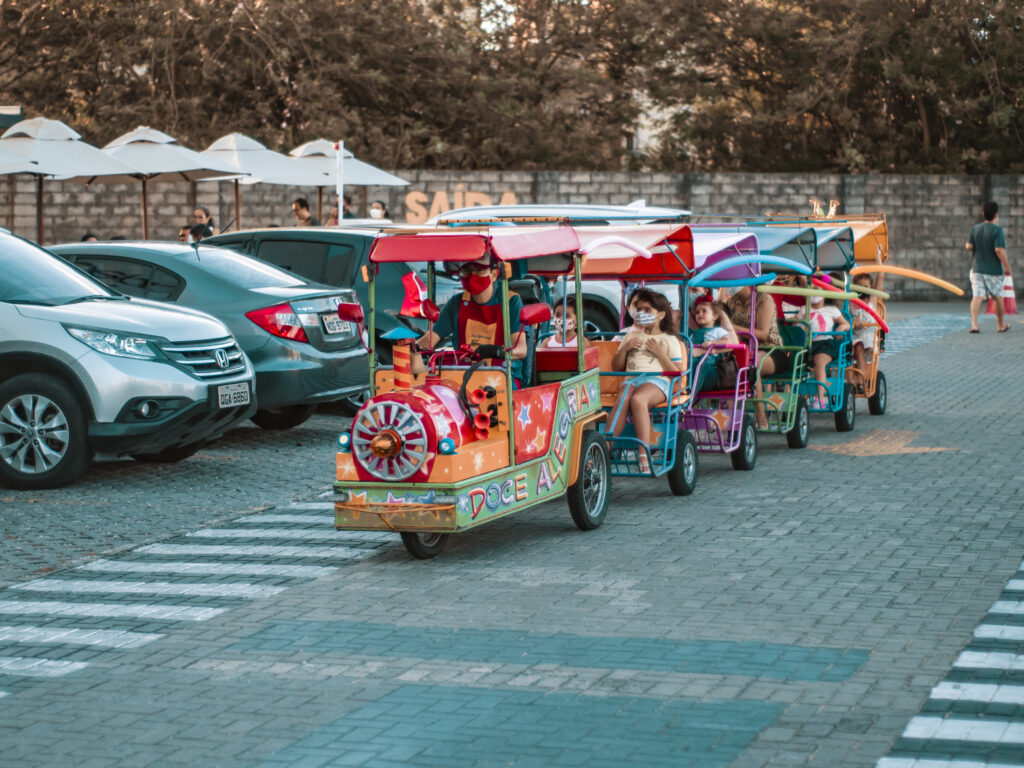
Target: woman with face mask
column 474, row 318
column 378, row 210
column 650, row 348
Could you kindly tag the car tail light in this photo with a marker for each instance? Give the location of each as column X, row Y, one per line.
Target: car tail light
column 279, row 320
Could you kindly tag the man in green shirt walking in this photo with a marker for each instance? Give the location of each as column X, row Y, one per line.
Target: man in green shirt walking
column 990, row 265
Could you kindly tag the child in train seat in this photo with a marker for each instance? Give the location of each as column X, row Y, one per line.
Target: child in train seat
column 713, row 326
column 649, row 348
column 566, row 327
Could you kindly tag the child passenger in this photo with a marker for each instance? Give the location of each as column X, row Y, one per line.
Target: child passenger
column 713, row 325
column 650, row 348
column 824, row 318
column 565, row 326
column 863, row 323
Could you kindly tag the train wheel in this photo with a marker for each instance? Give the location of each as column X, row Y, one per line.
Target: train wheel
column 682, row 478
column 878, row 401
column 847, row 415
column 745, row 455
column 588, row 497
column 424, row 546
column 798, row 435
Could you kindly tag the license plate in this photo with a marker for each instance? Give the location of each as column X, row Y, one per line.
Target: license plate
column 230, row 395
column 334, row 324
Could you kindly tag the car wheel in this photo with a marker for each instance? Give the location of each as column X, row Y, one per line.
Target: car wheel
column 283, row 418
column 597, row 319
column 43, row 433
column 170, row 455
column 351, row 405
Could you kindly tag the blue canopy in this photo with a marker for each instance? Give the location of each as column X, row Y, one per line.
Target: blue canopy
column 799, row 244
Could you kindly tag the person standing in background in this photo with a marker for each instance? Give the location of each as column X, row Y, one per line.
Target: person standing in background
column 987, row 243
column 346, row 203
column 201, row 215
column 379, row 210
column 303, row 217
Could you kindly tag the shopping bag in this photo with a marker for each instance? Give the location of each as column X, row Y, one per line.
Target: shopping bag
column 1009, row 299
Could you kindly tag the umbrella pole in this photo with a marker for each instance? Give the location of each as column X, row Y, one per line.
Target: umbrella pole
column 39, row 210
column 320, row 204
column 145, row 211
column 238, row 206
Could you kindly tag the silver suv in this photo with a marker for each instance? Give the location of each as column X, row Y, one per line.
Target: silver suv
column 84, row 370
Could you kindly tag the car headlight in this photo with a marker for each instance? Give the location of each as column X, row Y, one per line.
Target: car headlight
column 117, row 344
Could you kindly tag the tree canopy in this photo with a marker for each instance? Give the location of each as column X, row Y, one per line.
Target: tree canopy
column 755, row 85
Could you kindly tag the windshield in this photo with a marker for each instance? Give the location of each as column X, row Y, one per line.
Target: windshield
column 245, row 271
column 30, row 275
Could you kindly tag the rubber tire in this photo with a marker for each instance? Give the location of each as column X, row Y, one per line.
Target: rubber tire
column 350, row 405
column 593, row 448
column 797, row 437
column 745, row 456
column 846, row 417
column 878, row 401
column 283, row 418
column 682, row 477
column 77, row 455
column 424, row 546
column 597, row 319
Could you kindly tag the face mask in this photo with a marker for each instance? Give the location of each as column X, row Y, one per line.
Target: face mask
column 632, row 312
column 476, row 283
column 732, row 290
column 567, row 324
column 376, row 213
column 645, row 318
column 817, row 300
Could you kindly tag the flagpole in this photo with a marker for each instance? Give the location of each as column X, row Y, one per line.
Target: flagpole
column 339, row 187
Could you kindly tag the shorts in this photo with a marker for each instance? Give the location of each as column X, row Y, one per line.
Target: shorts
column 865, row 337
column 780, row 358
column 828, row 347
column 987, row 285
column 661, row 382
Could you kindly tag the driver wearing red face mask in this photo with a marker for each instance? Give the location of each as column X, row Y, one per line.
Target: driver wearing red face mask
column 474, row 317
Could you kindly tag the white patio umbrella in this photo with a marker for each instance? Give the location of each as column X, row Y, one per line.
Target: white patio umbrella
column 56, row 150
column 12, row 163
column 321, row 155
column 263, row 165
column 158, row 157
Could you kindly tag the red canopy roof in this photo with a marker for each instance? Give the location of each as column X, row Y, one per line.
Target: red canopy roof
column 503, row 243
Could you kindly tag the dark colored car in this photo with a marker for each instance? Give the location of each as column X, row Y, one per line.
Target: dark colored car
column 303, row 354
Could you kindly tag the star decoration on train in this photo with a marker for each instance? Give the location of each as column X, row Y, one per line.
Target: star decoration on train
column 778, row 401
column 478, row 462
column 524, row 416
column 546, row 401
column 539, row 442
column 347, row 469
column 721, row 418
column 357, row 498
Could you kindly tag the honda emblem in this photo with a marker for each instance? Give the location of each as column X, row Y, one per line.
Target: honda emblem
column 222, row 358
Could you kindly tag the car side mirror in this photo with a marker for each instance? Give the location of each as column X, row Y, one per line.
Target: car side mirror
column 534, row 314
column 351, row 312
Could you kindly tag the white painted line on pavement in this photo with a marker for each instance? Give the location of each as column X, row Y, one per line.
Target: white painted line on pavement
column 314, row 519
column 312, row 505
column 1007, row 607
column 80, row 586
column 289, row 533
column 209, row 569
column 927, row 762
column 260, row 550
column 106, row 638
column 983, row 692
column 989, row 660
column 958, row 729
column 1015, row 585
column 27, row 667
column 112, row 610
column 999, row 632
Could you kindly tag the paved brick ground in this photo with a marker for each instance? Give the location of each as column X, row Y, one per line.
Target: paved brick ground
column 800, row 614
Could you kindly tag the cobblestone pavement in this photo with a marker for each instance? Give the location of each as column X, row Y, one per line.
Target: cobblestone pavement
column 845, row 605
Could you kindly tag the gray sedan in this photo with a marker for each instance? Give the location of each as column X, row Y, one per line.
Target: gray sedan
column 288, row 326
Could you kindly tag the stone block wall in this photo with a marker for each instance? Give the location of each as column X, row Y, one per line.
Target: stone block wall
column 929, row 215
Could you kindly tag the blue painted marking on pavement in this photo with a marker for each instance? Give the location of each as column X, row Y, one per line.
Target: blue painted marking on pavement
column 915, row 331
column 769, row 660
column 458, row 727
